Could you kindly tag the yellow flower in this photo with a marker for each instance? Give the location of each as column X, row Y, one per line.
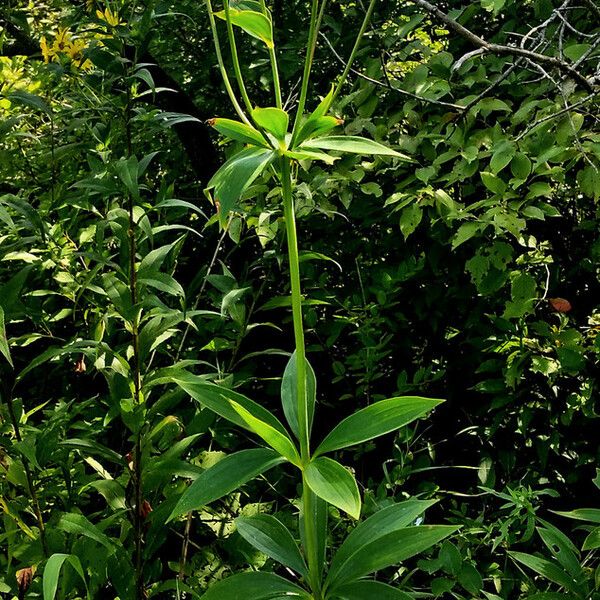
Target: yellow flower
column 75, row 49
column 47, row 52
column 110, row 17
column 62, row 40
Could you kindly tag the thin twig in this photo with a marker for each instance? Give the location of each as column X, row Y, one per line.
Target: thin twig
column 387, row 85
column 500, row 49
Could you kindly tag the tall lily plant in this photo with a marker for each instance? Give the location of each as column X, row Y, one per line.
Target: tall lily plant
column 277, row 140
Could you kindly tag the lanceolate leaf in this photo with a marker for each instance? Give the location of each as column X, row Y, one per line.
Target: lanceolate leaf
column 289, row 394
column 370, row 590
column 375, row 420
column 311, row 155
column 252, row 22
column 52, row 573
column 385, row 551
column 272, row 537
column 4, row 349
column 333, row 483
column 582, row 514
column 546, row 569
column 236, row 175
column 277, row 440
column 238, row 131
column 273, row 120
column 350, row 143
column 389, row 519
column 219, row 399
column 224, row 477
column 255, row 586
column 318, row 126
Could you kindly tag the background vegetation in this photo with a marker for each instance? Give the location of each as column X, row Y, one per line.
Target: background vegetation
column 469, row 274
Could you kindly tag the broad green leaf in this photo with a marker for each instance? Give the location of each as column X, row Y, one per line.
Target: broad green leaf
column 375, row 420
column 273, row 120
column 4, row 349
column 238, row 131
column 277, row 440
column 546, row 569
column 562, row 548
column 350, row 143
column 271, row 536
column 289, row 394
column 315, row 126
column 78, row 524
column 219, row 399
column 385, row 551
column 592, row 541
column 163, row 282
column 410, row 217
column 333, row 483
column 255, row 586
column 225, row 477
column 385, row 521
column 370, row 590
column 520, row 166
column 493, row 182
column 52, row 573
column 581, row 514
column 503, row 154
column 236, row 175
column 252, row 22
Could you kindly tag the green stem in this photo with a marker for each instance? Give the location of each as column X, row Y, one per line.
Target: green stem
column 235, row 59
column 224, row 76
column 310, row 537
column 308, row 498
column 292, row 244
column 315, row 21
column 355, row 48
column 274, row 66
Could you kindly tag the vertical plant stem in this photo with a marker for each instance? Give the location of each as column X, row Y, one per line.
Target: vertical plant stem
column 308, row 499
column 28, row 473
column 237, row 69
column 355, row 48
column 224, row 76
column 136, row 369
column 274, row 66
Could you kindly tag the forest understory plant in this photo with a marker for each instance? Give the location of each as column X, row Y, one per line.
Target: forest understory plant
column 276, row 149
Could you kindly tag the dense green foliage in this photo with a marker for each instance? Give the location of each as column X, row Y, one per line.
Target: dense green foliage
column 452, row 252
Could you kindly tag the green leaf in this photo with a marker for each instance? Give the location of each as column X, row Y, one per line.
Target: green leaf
column 385, row 521
column 315, row 126
column 225, row 477
column 546, row 569
column 273, row 120
column 385, row 551
column 289, row 394
column 592, row 541
column 333, row 483
column 79, row 525
column 493, row 182
column 375, row 420
column 589, row 181
column 470, row 579
column 311, row 155
column 350, row 143
column 271, row 536
column 370, row 590
column 280, row 442
column 520, row 166
column 502, row 156
column 127, row 170
column 219, row 399
column 410, row 217
column 255, row 586
column 52, row 573
column 238, row 131
column 581, row 514
column 236, row 175
column 4, row 348
column 252, row 22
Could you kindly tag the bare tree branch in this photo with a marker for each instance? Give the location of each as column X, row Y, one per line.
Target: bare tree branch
column 387, row 85
column 500, row 49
